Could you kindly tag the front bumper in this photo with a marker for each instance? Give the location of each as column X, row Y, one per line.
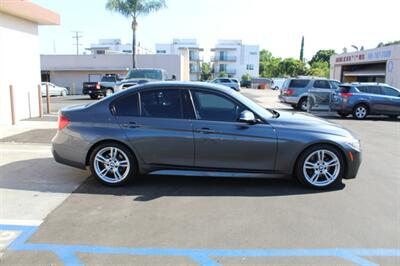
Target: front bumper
column 354, row 160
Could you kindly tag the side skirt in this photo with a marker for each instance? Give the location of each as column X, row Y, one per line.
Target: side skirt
column 204, row 173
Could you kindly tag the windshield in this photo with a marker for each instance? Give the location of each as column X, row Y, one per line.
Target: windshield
column 145, row 74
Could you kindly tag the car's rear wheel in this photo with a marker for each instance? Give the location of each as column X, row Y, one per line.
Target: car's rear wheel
column 94, row 96
column 303, row 104
column 360, row 111
column 320, row 167
column 113, row 164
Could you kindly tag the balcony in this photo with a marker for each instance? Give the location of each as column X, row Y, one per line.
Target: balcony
column 225, row 58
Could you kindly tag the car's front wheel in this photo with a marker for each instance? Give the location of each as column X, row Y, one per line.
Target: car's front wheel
column 113, row 164
column 320, row 167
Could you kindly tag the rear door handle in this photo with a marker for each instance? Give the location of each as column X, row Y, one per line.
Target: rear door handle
column 130, row 125
column 206, row 130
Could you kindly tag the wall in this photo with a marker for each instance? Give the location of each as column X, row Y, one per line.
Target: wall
column 19, row 66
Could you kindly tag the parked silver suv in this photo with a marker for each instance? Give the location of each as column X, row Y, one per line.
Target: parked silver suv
column 228, row 82
column 295, row 90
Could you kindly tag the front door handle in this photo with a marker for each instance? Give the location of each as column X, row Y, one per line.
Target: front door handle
column 206, row 130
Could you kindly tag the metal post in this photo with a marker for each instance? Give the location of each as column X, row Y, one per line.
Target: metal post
column 40, row 101
column 12, row 105
column 47, row 98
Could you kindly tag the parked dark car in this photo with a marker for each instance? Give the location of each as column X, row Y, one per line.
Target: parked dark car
column 245, row 84
column 363, row 99
column 201, row 129
column 105, row 87
column 295, row 90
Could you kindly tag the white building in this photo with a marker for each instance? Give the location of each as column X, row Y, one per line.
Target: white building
column 375, row 65
column 115, row 46
column 72, row 70
column 20, row 57
column 236, row 59
column 182, row 46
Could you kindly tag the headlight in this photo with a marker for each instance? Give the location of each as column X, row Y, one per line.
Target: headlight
column 355, row 144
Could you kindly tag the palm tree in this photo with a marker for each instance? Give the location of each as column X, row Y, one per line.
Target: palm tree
column 133, row 9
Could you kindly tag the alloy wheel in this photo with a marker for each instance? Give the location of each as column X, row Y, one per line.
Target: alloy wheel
column 112, row 165
column 361, row 112
column 321, row 168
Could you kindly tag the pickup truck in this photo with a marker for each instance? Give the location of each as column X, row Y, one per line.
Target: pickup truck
column 105, row 87
column 143, row 75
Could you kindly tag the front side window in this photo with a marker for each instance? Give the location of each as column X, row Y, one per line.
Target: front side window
column 214, row 107
column 322, row 84
column 162, row 104
column 374, row 90
column 127, row 106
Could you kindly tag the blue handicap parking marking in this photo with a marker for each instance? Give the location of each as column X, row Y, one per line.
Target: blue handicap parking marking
column 203, row 257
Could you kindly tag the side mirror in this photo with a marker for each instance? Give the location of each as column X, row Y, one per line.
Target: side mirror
column 247, row 117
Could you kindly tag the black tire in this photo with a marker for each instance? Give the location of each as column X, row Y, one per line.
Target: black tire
column 294, row 106
column 342, row 114
column 299, row 170
column 131, row 173
column 358, row 113
column 302, row 105
column 94, row 96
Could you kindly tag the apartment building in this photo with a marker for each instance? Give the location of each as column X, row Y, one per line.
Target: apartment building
column 115, row 46
column 235, row 59
column 181, row 47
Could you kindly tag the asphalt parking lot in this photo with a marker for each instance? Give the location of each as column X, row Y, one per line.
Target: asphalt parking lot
column 200, row 221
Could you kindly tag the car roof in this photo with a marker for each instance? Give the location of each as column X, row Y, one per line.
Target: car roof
column 181, row 85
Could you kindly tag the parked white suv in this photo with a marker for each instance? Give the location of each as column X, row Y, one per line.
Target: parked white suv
column 228, row 82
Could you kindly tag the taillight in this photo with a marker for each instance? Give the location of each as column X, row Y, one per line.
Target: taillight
column 98, row 87
column 62, row 122
column 289, row 92
column 346, row 94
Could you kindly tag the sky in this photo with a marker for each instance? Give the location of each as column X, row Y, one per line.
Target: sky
column 275, row 25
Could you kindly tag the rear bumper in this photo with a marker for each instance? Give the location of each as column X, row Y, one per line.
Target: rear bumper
column 289, row 99
column 92, row 92
column 341, row 107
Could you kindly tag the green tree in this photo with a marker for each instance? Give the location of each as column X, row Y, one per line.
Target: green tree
column 206, row 71
column 319, row 69
column 381, row 44
column 133, row 9
column 246, row 77
column 223, row 74
column 322, row 56
column 269, row 65
column 292, row 67
column 302, row 50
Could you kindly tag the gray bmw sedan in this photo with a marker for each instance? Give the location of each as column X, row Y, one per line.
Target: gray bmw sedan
column 201, row 129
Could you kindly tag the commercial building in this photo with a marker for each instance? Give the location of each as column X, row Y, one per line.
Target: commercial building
column 183, row 46
column 72, row 70
column 20, row 57
column 115, row 46
column 376, row 65
column 236, row 59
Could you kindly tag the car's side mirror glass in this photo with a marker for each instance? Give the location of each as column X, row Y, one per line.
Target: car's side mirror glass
column 247, row 117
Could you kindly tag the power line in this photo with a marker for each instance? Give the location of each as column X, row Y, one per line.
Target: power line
column 77, row 36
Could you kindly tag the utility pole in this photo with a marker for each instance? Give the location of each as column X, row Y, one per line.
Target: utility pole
column 77, row 36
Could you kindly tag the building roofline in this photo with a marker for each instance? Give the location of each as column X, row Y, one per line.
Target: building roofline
column 29, row 11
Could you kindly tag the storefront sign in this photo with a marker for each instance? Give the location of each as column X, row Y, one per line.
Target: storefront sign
column 370, row 56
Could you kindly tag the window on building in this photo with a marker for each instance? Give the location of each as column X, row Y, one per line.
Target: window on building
column 250, row 67
column 100, row 51
column 161, row 51
column 253, row 53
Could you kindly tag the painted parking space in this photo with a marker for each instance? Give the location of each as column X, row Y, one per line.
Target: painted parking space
column 204, row 257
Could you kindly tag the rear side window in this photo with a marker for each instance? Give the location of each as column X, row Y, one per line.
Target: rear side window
column 299, row 83
column 127, row 106
column 322, row 84
column 162, row 104
column 344, row 89
column 390, row 92
column 371, row 89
